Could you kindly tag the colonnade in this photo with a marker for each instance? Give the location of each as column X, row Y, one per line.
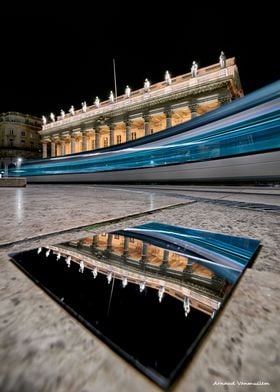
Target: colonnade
column 103, row 133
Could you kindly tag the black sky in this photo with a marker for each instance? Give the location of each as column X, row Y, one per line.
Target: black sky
column 53, row 58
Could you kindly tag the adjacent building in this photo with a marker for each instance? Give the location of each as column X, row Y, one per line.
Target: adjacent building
column 19, row 138
column 136, row 114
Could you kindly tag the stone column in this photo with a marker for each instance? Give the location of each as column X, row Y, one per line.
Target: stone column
column 127, row 129
column 193, row 108
column 45, row 149
column 73, row 144
column 168, row 115
column 97, row 137
column 85, row 140
column 62, row 144
column 147, row 128
column 52, row 148
column 112, row 133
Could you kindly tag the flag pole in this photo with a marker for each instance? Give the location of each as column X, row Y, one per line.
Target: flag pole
column 115, row 80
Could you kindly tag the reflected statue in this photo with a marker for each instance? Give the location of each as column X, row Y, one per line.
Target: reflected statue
column 97, row 102
column 72, row 110
column 52, row 117
column 62, row 114
column 194, row 69
column 84, row 106
column 147, row 86
column 167, row 78
column 82, row 267
column 44, row 120
column 127, row 92
column 111, row 97
column 222, row 60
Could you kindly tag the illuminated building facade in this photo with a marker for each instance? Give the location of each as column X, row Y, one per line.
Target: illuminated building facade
column 142, row 112
column 19, row 137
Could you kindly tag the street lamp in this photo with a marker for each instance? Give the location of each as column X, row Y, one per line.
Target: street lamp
column 19, row 160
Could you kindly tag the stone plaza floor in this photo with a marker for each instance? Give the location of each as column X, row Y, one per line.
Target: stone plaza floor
column 42, row 348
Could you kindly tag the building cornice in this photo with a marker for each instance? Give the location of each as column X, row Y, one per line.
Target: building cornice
column 187, row 88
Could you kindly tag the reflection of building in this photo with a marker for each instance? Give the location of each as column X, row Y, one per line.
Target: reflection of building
column 19, row 137
column 165, row 104
column 143, row 263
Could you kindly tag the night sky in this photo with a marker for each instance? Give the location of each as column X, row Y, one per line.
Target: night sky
column 52, row 58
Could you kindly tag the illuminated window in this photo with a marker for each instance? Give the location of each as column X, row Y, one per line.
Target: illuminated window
column 133, row 135
column 119, row 139
column 105, row 142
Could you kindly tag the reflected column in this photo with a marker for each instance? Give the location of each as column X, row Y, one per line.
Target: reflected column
column 165, row 260
column 144, row 255
column 109, row 243
column 126, row 248
column 193, row 109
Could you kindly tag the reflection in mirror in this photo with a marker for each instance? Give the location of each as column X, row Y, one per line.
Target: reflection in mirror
column 149, row 291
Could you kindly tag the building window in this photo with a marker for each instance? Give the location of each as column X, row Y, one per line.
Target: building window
column 105, row 142
column 93, row 144
column 11, row 132
column 31, row 135
column 131, row 239
column 23, row 141
column 133, row 135
column 119, row 139
column 22, row 133
column 116, row 236
column 152, row 131
column 11, row 143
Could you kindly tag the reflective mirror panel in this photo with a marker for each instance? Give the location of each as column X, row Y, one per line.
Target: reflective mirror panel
column 150, row 291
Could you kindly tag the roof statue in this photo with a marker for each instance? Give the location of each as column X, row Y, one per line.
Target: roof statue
column 167, row 78
column 222, row 60
column 52, row 116
column 127, row 92
column 72, row 110
column 147, row 85
column 97, row 102
column 44, row 120
column 194, row 69
column 62, row 114
column 111, row 97
column 84, row 106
